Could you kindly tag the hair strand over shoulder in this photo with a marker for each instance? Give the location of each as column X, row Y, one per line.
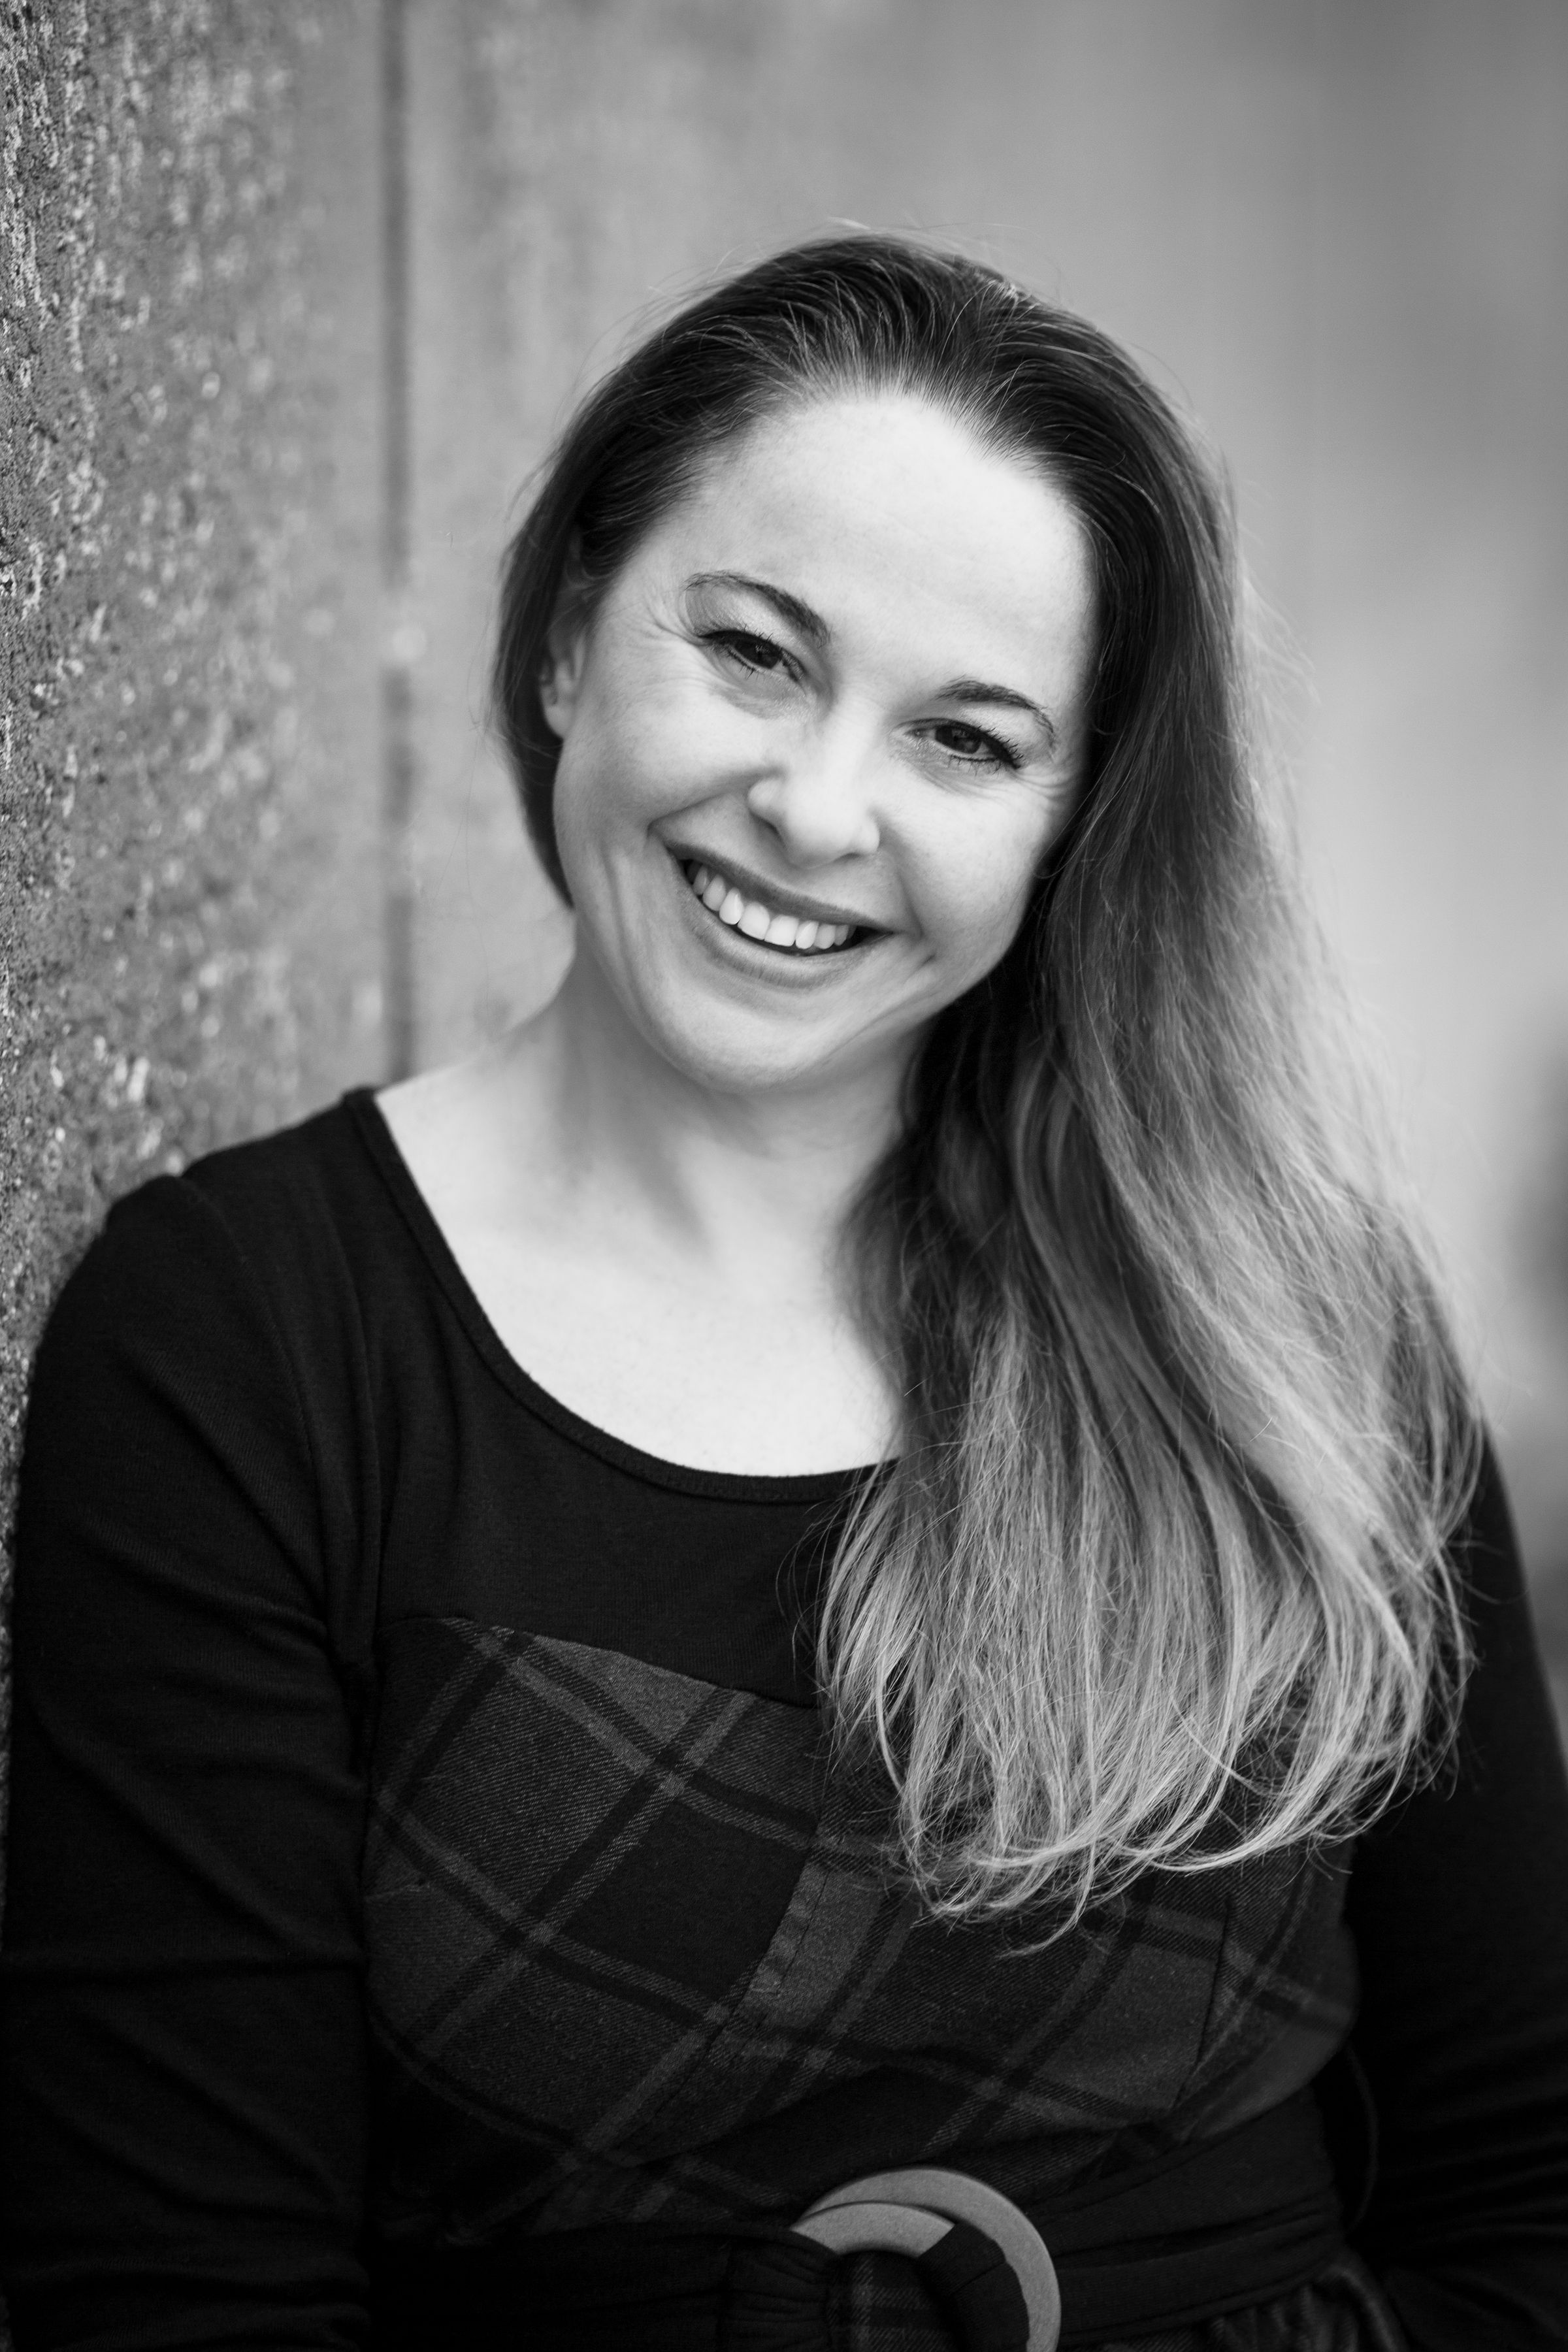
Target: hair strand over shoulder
column 1158, row 1576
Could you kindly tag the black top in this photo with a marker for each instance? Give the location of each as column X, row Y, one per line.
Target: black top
column 272, row 1436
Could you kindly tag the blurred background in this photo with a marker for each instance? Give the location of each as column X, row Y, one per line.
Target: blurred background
column 296, row 299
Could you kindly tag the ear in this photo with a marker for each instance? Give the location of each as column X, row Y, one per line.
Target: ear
column 566, row 651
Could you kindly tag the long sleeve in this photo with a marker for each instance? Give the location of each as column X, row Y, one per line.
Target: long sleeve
column 214, row 1478
column 1458, row 1903
column 183, row 2029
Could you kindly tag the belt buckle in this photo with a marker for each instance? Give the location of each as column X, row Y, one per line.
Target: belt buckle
column 912, row 2211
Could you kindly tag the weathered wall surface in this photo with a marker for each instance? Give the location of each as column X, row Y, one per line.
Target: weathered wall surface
column 189, row 886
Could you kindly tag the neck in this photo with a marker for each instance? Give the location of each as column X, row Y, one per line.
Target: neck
column 732, row 1175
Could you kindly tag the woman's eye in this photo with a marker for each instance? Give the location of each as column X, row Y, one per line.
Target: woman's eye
column 969, row 746
column 751, row 653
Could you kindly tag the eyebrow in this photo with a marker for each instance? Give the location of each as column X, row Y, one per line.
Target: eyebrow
column 811, row 625
column 815, row 631
column 975, row 689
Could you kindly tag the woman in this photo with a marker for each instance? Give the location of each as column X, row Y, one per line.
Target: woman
column 856, row 1554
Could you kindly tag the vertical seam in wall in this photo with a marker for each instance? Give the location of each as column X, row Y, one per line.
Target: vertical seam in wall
column 401, row 641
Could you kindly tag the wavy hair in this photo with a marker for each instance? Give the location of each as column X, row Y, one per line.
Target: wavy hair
column 1159, row 1577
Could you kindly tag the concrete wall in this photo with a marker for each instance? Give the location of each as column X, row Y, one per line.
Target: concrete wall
column 189, row 778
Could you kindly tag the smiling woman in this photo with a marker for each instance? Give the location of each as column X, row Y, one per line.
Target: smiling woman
column 801, row 718
column 875, row 1509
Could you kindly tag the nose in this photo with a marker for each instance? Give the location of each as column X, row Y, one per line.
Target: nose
column 819, row 800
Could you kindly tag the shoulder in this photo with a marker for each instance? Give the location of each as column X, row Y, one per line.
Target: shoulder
column 200, row 1396
column 238, row 1273
column 1485, row 1548
column 309, row 1183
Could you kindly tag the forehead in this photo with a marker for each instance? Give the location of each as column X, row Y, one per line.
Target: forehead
column 884, row 505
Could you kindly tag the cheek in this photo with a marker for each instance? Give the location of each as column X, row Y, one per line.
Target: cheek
column 636, row 757
column 603, row 782
column 571, row 809
column 977, row 883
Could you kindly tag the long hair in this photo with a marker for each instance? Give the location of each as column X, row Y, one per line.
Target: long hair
column 1158, row 1577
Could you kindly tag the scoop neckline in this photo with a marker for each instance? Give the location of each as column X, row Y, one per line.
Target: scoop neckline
column 683, row 1477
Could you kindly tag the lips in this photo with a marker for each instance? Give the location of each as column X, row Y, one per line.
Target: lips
column 741, row 910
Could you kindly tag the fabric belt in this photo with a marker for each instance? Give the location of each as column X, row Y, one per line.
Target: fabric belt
column 1199, row 2231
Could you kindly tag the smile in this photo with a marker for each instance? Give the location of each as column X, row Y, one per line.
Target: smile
column 762, row 922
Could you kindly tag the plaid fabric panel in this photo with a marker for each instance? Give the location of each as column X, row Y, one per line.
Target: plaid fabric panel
column 553, row 1829
column 568, row 2033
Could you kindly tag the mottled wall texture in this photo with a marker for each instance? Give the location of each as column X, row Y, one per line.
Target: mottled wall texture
column 284, row 330
column 189, row 883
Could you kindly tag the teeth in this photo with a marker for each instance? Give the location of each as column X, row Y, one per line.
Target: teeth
column 759, row 922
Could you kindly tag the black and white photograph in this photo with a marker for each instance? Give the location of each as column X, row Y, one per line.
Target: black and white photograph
column 783, row 1108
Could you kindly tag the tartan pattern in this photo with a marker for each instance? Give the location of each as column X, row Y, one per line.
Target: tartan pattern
column 561, row 2040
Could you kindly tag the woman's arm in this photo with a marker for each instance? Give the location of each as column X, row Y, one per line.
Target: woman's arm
column 183, row 2030
column 1459, row 1905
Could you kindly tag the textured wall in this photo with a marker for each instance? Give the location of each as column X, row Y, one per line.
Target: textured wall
column 189, row 884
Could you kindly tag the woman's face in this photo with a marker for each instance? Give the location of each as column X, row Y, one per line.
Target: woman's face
column 816, row 739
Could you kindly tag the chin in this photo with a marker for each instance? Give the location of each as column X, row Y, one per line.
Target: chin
column 739, row 1066
column 726, row 1054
